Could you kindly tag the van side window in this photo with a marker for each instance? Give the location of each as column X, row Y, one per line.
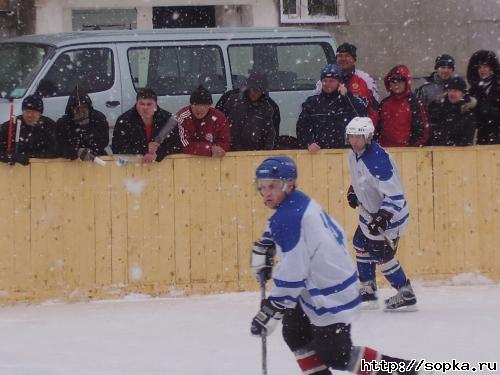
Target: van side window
column 288, row 67
column 177, row 70
column 92, row 69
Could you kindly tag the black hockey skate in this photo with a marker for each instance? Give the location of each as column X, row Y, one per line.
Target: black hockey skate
column 369, row 298
column 404, row 300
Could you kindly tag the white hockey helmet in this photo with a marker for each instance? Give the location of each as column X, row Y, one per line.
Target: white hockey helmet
column 360, row 126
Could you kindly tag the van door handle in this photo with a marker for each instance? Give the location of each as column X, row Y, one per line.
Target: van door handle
column 112, row 104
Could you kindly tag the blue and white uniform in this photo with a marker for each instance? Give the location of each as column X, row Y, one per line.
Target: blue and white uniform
column 377, row 185
column 315, row 268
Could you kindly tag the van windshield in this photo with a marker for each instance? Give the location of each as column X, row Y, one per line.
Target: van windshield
column 20, row 62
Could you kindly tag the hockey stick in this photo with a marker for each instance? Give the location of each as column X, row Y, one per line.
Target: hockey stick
column 387, row 240
column 263, row 336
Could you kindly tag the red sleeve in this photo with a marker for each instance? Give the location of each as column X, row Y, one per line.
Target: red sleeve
column 223, row 138
column 186, row 133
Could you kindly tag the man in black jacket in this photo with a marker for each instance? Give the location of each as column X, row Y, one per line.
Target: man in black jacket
column 324, row 117
column 37, row 134
column 82, row 130
column 251, row 116
column 137, row 130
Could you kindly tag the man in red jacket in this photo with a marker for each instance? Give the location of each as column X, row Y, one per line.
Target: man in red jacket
column 203, row 129
column 403, row 118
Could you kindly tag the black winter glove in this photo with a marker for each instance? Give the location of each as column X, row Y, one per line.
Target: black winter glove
column 352, row 199
column 263, row 260
column 85, row 154
column 266, row 320
column 21, row 159
column 380, row 222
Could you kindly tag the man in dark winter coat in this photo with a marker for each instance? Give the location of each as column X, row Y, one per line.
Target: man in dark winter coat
column 403, row 118
column 437, row 82
column 483, row 74
column 136, row 130
column 452, row 119
column 82, row 130
column 37, row 134
column 323, row 119
column 251, row 116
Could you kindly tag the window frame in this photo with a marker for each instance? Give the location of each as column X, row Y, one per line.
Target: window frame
column 327, row 49
column 191, row 46
column 301, row 15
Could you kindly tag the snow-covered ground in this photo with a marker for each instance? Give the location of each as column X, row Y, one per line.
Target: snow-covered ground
column 210, row 334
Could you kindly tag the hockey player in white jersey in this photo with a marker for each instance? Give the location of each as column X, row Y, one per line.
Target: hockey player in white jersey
column 377, row 190
column 315, row 286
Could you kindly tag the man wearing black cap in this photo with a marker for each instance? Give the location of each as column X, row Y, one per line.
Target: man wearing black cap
column 452, row 119
column 36, row 138
column 251, row 116
column 137, row 130
column 203, row 129
column 436, row 84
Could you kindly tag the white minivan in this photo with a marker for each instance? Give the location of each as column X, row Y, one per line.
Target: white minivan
column 113, row 65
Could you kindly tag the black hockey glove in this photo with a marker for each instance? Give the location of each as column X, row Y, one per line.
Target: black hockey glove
column 262, row 261
column 380, row 222
column 21, row 159
column 267, row 319
column 85, row 154
column 352, row 199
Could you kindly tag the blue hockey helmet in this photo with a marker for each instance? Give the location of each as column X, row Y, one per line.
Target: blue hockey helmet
column 277, row 168
column 331, row 71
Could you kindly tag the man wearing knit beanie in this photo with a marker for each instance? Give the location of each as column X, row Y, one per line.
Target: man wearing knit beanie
column 436, row 84
column 36, row 138
column 203, row 129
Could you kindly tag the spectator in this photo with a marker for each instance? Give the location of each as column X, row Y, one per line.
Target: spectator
column 37, row 134
column 451, row 117
column 251, row 116
column 357, row 81
column 221, row 104
column 203, row 129
column 81, row 127
column 137, row 131
column 323, row 119
column 483, row 74
column 403, row 118
column 437, row 82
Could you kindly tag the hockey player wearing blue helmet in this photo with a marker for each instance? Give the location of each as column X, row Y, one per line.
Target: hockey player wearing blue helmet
column 315, row 286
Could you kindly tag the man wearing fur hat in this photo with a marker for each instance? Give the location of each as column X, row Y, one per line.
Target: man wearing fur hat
column 452, row 119
column 483, row 74
column 36, row 138
column 436, row 84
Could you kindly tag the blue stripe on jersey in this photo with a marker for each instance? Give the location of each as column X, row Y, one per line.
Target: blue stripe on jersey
column 336, row 288
column 392, row 225
column 377, row 161
column 397, row 197
column 286, row 223
column 388, row 204
column 289, row 284
column 283, row 299
column 333, row 310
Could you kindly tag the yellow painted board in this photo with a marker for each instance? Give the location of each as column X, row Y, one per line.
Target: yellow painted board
column 103, row 227
column 7, row 234
column 244, row 193
column 495, row 171
column 305, row 180
column 182, row 223
column 455, row 212
column 320, row 179
column 425, row 208
column 22, row 227
column 119, row 241
column 197, row 207
column 229, row 220
column 213, row 220
column 166, row 203
column 337, row 190
column 350, row 219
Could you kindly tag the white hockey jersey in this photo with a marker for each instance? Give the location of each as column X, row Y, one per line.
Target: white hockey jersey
column 377, row 185
column 315, row 268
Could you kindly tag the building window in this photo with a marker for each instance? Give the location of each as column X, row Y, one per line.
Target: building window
column 312, row 11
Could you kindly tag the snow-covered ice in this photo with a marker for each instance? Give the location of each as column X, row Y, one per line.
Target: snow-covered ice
column 206, row 335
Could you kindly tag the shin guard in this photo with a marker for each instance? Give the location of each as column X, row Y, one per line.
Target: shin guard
column 360, row 356
column 309, row 362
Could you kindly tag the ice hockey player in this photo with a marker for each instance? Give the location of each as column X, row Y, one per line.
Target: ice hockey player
column 377, row 190
column 315, row 286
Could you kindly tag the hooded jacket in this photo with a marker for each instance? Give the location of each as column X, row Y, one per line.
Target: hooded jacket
column 72, row 136
column 487, row 93
column 403, row 118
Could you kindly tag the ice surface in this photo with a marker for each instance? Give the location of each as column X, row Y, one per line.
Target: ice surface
column 210, row 334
